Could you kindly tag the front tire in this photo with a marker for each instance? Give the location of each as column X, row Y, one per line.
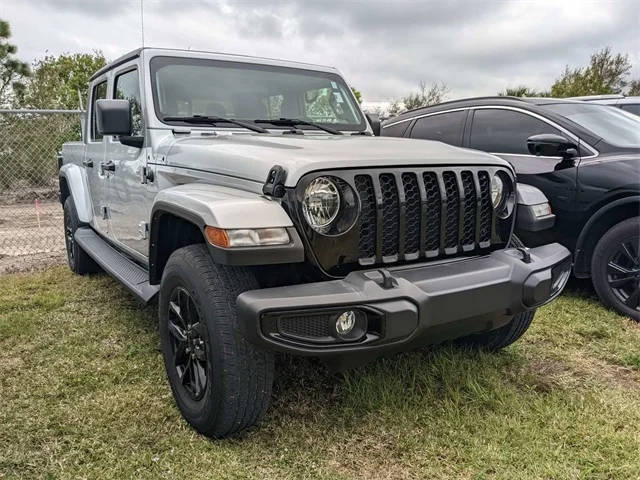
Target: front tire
column 221, row 383
column 78, row 260
column 615, row 268
column 504, row 336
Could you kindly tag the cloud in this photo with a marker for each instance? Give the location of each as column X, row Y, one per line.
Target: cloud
column 384, row 48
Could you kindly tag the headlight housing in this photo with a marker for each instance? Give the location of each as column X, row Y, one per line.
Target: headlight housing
column 502, row 194
column 321, row 203
column 497, row 190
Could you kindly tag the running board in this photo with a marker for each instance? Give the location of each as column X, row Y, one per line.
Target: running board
column 129, row 273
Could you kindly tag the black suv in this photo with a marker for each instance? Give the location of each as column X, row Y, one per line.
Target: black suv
column 585, row 158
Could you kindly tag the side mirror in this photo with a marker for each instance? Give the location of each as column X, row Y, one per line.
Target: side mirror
column 552, row 145
column 113, row 117
column 374, row 121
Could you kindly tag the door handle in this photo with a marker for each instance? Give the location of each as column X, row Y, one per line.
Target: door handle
column 87, row 163
column 108, row 166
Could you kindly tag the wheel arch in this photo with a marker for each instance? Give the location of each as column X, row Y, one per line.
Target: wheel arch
column 601, row 221
column 73, row 184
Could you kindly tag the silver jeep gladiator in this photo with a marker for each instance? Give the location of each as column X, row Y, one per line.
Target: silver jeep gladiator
column 252, row 198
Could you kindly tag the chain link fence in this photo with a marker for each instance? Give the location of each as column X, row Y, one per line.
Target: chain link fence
column 30, row 215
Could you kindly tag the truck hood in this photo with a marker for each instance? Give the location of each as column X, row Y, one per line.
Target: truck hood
column 252, row 156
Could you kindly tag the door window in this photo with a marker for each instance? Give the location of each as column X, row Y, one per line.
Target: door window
column 631, row 107
column 444, row 127
column 99, row 93
column 127, row 87
column 505, row 131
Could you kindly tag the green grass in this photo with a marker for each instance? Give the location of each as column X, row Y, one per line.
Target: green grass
column 83, row 395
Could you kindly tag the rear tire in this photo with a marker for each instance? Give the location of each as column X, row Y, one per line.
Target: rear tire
column 227, row 386
column 615, row 268
column 79, row 261
column 504, row 336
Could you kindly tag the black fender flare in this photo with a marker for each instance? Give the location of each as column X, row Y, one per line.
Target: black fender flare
column 581, row 270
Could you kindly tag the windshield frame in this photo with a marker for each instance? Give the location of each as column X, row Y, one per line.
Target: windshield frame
column 159, row 61
column 551, row 107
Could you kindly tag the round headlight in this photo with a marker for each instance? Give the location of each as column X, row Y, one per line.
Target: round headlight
column 321, row 203
column 497, row 190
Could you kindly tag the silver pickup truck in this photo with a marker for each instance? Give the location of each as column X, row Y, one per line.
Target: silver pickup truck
column 251, row 197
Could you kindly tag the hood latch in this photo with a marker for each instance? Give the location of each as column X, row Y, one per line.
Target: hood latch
column 274, row 185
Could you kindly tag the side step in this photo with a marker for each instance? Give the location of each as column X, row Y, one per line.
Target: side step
column 129, row 273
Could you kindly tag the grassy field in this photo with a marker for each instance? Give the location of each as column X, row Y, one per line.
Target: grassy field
column 83, row 395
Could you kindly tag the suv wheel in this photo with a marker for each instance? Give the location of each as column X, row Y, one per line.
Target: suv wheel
column 507, row 334
column 615, row 268
column 79, row 261
column 221, row 383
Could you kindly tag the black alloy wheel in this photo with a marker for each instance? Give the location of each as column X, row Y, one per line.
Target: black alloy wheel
column 188, row 343
column 623, row 272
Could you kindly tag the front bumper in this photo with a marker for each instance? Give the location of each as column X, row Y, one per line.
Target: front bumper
column 405, row 306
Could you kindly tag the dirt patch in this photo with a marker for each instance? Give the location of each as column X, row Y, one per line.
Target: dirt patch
column 31, row 234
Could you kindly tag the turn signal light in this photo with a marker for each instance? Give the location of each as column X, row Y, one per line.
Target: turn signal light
column 247, row 237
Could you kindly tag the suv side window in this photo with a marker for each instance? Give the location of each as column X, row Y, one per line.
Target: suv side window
column 99, row 93
column 505, row 131
column 631, row 108
column 444, row 127
column 127, row 87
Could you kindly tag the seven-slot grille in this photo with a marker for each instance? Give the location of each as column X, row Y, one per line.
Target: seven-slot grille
column 413, row 214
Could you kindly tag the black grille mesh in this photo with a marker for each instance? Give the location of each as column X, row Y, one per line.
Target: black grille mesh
column 307, row 326
column 412, row 213
column 445, row 209
column 367, row 218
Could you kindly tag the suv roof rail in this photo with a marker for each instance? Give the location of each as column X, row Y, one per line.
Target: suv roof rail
column 586, row 98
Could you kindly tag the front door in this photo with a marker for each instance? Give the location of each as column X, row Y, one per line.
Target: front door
column 504, row 132
column 132, row 191
column 97, row 177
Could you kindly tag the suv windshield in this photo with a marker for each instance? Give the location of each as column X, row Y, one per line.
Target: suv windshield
column 614, row 126
column 185, row 87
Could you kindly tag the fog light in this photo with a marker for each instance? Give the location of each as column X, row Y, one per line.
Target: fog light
column 345, row 322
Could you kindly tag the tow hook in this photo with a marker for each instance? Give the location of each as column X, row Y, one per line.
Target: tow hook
column 526, row 254
column 388, row 281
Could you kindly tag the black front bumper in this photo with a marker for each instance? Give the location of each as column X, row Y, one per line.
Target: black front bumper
column 406, row 306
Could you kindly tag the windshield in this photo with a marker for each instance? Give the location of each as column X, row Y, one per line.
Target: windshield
column 614, row 126
column 242, row 91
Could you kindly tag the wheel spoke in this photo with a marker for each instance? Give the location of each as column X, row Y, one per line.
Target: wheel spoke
column 199, row 378
column 621, row 282
column 177, row 332
column 627, row 251
column 615, row 269
column 633, row 301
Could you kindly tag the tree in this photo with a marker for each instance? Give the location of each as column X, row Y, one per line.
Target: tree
column 357, row 94
column 606, row 73
column 61, row 82
column 634, row 88
column 423, row 97
column 522, row 91
column 12, row 70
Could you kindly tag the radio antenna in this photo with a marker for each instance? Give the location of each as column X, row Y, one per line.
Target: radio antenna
column 142, row 21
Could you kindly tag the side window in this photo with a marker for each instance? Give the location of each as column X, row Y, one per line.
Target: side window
column 505, row 131
column 99, row 93
column 396, row 130
column 127, row 87
column 444, row 127
column 631, row 108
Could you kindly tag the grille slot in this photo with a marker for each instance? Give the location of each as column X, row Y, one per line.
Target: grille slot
column 390, row 215
column 367, row 217
column 417, row 213
column 305, row 326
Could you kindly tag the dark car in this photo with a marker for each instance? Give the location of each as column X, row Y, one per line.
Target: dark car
column 585, row 157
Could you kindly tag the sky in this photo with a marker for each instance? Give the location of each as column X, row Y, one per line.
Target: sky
column 384, row 48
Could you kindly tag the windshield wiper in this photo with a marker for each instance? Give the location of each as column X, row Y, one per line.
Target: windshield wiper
column 292, row 122
column 204, row 119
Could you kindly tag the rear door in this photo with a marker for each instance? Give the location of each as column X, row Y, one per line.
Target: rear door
column 132, row 190
column 444, row 127
column 97, row 178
